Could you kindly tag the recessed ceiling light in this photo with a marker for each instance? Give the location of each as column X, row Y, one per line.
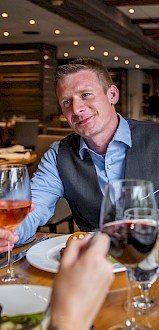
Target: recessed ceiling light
column 116, row 58
column 4, row 15
column 57, row 31
column 137, row 66
column 126, row 61
column 46, row 57
column 92, row 48
column 6, row 34
column 32, row 22
column 75, row 43
column 105, row 53
column 131, row 10
column 65, row 54
column 57, row 2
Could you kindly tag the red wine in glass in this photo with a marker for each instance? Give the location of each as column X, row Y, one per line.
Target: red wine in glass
column 131, row 240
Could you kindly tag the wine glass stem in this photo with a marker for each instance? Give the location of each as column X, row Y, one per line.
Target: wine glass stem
column 130, row 310
column 144, row 288
column 10, row 270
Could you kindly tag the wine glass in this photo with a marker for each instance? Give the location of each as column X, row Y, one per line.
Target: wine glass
column 15, row 204
column 146, row 272
column 131, row 240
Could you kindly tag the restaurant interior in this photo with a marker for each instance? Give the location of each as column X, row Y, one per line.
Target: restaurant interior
column 37, row 36
column 123, row 35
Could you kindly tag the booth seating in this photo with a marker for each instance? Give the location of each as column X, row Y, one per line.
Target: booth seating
column 59, row 130
column 43, row 143
column 26, row 132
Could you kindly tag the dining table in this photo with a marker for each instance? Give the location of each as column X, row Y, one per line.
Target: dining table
column 112, row 312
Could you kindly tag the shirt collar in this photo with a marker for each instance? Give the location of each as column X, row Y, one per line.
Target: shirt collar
column 123, row 127
column 118, row 136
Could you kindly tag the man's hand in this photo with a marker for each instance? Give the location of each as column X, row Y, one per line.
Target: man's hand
column 5, row 237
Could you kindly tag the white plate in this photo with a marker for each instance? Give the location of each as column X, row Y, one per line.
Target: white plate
column 24, row 299
column 46, row 255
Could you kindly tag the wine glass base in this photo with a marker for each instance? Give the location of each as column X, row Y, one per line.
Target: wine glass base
column 14, row 279
column 141, row 306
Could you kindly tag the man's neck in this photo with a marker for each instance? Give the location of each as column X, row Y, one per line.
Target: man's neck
column 99, row 143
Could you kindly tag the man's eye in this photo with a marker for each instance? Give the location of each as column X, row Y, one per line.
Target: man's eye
column 86, row 94
column 66, row 103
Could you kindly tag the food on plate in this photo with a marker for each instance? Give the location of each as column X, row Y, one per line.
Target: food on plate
column 112, row 260
column 74, row 237
column 13, row 326
column 17, row 322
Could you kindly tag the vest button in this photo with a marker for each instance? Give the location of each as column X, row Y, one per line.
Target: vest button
column 108, row 167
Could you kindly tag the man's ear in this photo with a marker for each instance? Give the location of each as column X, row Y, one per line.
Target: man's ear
column 113, row 94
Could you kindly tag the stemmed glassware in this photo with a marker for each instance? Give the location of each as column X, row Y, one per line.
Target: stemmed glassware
column 15, row 204
column 146, row 272
column 132, row 240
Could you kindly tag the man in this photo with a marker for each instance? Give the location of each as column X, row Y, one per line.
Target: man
column 105, row 147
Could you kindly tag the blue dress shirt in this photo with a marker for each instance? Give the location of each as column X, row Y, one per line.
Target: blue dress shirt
column 47, row 187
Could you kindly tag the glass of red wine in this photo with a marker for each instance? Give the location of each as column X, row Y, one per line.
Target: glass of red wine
column 132, row 240
column 15, row 204
column 146, row 272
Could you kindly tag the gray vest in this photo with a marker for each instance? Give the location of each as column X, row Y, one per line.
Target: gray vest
column 79, row 177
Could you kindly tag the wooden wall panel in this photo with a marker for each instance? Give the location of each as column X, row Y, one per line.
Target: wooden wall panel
column 27, row 81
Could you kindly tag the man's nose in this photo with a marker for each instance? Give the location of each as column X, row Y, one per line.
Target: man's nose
column 77, row 106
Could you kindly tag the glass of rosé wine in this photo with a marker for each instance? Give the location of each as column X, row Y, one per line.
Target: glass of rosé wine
column 15, row 204
column 131, row 240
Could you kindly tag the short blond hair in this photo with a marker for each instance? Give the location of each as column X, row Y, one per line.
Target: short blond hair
column 80, row 64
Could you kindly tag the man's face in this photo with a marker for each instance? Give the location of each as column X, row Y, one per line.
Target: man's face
column 86, row 107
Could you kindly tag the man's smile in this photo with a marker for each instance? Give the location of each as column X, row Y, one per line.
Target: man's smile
column 85, row 120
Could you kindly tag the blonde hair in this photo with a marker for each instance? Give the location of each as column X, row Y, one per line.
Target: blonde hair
column 85, row 64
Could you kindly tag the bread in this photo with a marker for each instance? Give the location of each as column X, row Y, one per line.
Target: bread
column 73, row 237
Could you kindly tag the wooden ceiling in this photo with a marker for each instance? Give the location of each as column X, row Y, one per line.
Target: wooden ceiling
column 107, row 19
column 131, row 2
column 151, row 32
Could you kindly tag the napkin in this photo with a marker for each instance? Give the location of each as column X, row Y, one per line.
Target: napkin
column 16, row 148
column 14, row 155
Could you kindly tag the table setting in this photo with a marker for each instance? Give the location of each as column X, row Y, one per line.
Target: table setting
column 38, row 260
column 116, row 297
column 19, row 255
column 17, row 154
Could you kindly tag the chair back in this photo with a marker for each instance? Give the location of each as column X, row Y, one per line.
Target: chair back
column 26, row 132
column 43, row 143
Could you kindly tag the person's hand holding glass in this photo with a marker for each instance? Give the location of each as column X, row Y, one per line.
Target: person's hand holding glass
column 15, row 204
column 132, row 240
